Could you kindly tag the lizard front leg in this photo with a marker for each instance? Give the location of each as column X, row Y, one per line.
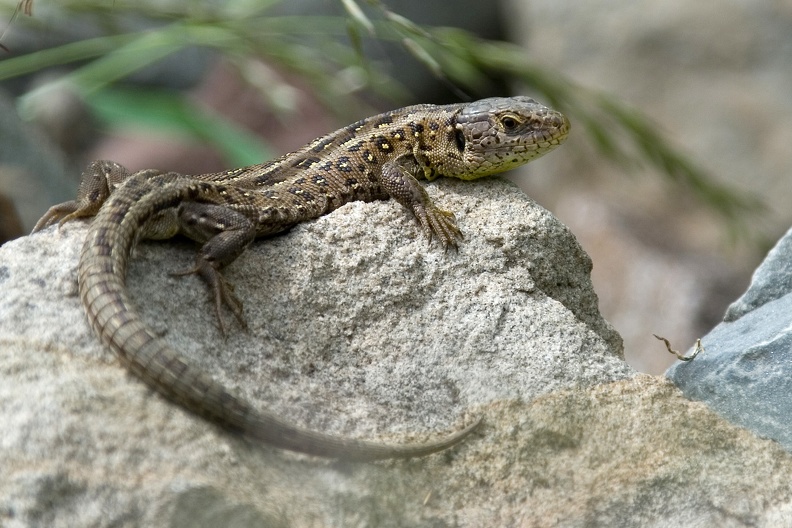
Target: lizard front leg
column 398, row 181
column 225, row 234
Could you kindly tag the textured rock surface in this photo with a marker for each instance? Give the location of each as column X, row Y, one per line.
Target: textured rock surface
column 357, row 327
column 745, row 373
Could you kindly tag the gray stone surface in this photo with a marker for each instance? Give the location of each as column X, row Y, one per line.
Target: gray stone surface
column 358, row 327
column 745, row 373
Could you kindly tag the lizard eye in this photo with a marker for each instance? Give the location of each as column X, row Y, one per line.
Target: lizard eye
column 509, row 123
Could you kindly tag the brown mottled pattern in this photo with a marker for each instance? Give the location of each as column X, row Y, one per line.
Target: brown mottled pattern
column 377, row 158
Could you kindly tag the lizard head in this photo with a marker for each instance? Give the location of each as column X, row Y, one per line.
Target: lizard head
column 501, row 133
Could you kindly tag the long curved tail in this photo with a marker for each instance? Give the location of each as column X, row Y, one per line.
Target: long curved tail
column 102, row 273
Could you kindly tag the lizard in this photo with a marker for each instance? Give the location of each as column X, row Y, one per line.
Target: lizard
column 376, row 158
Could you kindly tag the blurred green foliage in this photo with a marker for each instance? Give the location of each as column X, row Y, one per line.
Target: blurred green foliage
column 328, row 54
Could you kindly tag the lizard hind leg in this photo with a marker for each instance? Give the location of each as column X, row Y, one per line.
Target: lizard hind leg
column 98, row 181
column 225, row 234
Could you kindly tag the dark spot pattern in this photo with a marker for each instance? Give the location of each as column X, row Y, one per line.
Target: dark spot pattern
column 383, row 144
column 306, row 163
column 266, row 179
column 343, row 164
column 357, row 146
column 302, row 193
column 384, row 119
column 324, row 143
column 357, row 126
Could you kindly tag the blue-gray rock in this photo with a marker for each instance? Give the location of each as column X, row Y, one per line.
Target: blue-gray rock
column 745, row 373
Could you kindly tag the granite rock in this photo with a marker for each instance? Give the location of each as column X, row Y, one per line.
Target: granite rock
column 359, row 327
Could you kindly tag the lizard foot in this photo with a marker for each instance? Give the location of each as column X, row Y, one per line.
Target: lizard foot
column 440, row 223
column 221, row 289
column 60, row 214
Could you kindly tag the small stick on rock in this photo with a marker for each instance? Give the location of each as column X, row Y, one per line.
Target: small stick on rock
column 699, row 348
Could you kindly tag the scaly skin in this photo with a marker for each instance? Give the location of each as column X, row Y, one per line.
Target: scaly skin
column 377, row 158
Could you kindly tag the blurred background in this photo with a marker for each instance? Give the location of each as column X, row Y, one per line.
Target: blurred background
column 674, row 179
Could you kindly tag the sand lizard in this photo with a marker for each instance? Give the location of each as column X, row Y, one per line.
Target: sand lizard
column 380, row 157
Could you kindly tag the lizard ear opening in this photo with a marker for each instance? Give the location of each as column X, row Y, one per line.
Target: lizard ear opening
column 459, row 138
